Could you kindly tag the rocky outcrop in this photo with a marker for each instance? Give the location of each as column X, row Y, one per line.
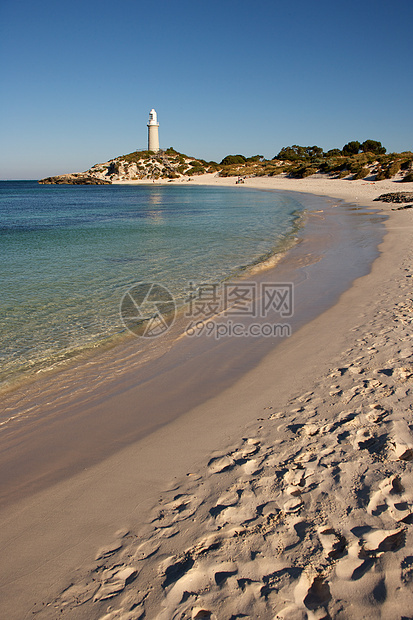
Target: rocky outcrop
column 396, row 197
column 74, row 179
column 137, row 166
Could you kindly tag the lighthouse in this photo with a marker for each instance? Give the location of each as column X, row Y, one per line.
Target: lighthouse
column 153, row 132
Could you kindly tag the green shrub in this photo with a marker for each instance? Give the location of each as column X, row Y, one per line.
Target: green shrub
column 308, row 172
column 393, row 169
column 230, row 160
column 361, row 173
column 332, row 164
column 381, row 174
column 213, row 166
column 195, row 170
column 343, row 173
column 302, row 172
column 408, row 178
column 388, row 170
column 136, row 156
column 385, row 159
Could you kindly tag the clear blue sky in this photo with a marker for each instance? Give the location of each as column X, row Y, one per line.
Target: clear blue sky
column 78, row 78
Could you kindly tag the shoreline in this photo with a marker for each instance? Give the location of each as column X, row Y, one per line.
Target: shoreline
column 180, row 451
column 361, row 191
column 63, row 408
column 20, row 369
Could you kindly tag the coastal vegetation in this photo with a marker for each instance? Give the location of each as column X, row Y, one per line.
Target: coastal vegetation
column 355, row 160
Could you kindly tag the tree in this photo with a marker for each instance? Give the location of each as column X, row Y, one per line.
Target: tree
column 299, row 153
column 373, row 146
column 290, row 153
column 333, row 153
column 314, row 152
column 351, row 148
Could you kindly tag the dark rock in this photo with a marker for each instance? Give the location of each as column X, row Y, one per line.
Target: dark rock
column 396, row 197
column 73, row 179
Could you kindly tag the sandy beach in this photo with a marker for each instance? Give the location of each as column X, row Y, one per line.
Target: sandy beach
column 284, row 494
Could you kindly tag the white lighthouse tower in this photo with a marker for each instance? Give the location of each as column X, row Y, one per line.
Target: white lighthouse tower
column 153, row 132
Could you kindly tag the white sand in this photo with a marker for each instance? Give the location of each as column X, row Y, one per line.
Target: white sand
column 287, row 496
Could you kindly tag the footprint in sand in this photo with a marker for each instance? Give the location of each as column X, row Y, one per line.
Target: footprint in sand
column 293, row 505
column 147, row 549
column 220, row 464
column 376, row 541
column 132, row 608
column 109, row 550
column 355, row 564
column 229, row 498
column 276, row 416
column 305, row 398
column 295, row 477
column 78, row 594
column 314, row 593
column 243, row 512
column 376, row 414
column 390, row 497
column 116, row 583
column 334, row 544
column 252, row 467
column 249, row 448
column 180, row 508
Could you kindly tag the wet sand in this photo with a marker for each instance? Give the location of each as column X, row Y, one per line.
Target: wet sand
column 66, row 503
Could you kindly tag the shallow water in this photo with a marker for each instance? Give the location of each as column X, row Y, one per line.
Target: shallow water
column 69, row 253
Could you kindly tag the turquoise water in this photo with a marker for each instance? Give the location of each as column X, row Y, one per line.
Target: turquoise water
column 69, row 253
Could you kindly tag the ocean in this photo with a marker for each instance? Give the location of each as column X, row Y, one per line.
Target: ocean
column 68, row 255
